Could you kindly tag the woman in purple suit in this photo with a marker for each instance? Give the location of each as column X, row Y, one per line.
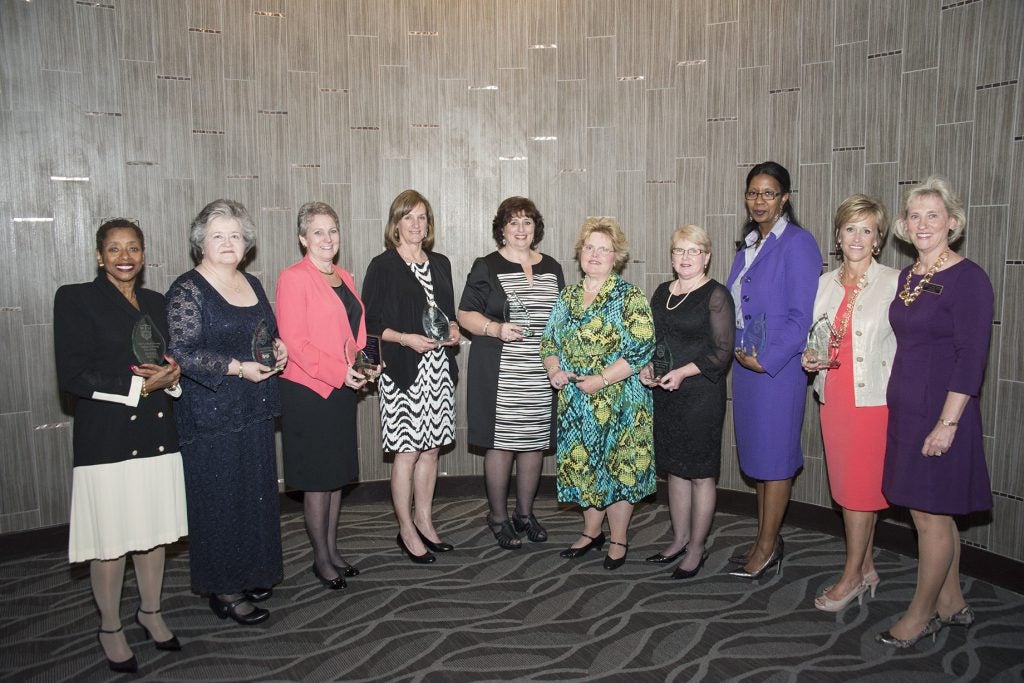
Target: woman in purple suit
column 773, row 282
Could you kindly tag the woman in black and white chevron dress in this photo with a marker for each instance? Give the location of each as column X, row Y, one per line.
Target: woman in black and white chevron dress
column 508, row 297
column 417, row 387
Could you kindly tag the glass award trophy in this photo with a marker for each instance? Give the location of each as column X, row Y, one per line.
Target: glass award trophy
column 148, row 344
column 517, row 313
column 755, row 335
column 661, row 362
column 823, row 344
column 436, row 323
column 263, row 345
column 365, row 361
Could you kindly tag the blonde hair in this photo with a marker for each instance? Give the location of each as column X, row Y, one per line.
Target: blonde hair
column 404, row 203
column 606, row 226
column 860, row 205
column 939, row 187
column 692, row 233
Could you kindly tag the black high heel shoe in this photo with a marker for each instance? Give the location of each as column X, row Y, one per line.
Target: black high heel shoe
column 596, row 542
column 528, row 523
column 690, row 573
column 171, row 644
column 439, row 547
column 774, row 560
column 230, row 609
column 609, row 563
column 258, row 594
column 658, row 558
column 347, row 570
column 425, row 558
column 337, row 583
column 128, row 666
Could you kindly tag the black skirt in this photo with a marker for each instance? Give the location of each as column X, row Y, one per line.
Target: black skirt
column 318, row 436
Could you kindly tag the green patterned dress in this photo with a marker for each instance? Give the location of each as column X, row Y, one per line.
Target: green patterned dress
column 605, row 439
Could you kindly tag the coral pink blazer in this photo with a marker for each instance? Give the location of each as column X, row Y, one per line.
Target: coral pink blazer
column 314, row 326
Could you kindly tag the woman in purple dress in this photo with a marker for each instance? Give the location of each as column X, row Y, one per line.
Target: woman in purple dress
column 773, row 282
column 934, row 458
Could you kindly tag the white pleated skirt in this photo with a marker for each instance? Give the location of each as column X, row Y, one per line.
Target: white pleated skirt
column 124, row 507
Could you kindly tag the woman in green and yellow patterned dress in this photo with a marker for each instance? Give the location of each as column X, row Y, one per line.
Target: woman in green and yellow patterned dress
column 599, row 336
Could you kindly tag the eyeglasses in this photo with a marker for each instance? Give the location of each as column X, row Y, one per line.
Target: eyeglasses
column 600, row 251
column 692, row 251
column 768, row 195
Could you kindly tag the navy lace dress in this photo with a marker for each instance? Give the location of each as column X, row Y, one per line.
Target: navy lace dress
column 226, row 427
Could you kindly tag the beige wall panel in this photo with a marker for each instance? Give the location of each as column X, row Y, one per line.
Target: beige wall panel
column 72, row 235
column 811, row 484
column 300, row 26
column 851, row 21
column 886, row 25
column 723, row 193
column 22, row 183
column 270, row 61
column 96, row 25
column 333, row 136
column 880, row 181
column 1015, row 236
column 425, row 168
column 64, row 121
column 369, row 200
column 363, row 18
column 541, row 75
column 1000, row 51
column 1018, row 127
column 36, row 275
column 59, row 43
column 367, row 242
column 722, row 65
column 1007, row 527
column 690, row 191
column 207, row 84
column 180, row 201
column 600, row 18
column 691, row 18
column 784, row 58
column 540, row 29
column 663, row 132
column 18, row 480
column 989, row 400
column 990, row 182
column 205, row 15
column 510, row 50
column 881, row 133
column 1008, row 467
column 571, row 127
column 630, row 125
column 455, row 60
column 174, row 127
column 103, row 141
column 424, row 86
column 14, row 369
column 572, row 40
column 817, row 30
column 720, row 11
column 565, row 199
column 921, row 37
column 661, row 43
column 339, row 196
column 917, row 124
column 511, row 109
column 240, row 128
column 43, row 392
column 394, row 120
column 20, row 57
column 784, row 136
column 958, row 63
column 631, row 189
column 272, row 133
column 303, row 120
column 480, row 35
column 601, row 171
column 171, row 31
column 600, row 84
column 10, row 288
column 816, row 112
column 850, row 103
column 141, row 111
column 456, row 122
column 984, row 245
column 691, row 92
column 333, row 32
column 136, row 29
column 1011, row 361
column 814, row 207
column 514, row 179
column 651, row 238
column 747, row 34
column 753, row 124
column 953, row 143
column 394, row 36
column 847, row 174
column 53, row 464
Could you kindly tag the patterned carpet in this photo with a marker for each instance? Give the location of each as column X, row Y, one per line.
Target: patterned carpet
column 481, row 613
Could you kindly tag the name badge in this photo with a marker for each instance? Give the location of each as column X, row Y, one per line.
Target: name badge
column 932, row 288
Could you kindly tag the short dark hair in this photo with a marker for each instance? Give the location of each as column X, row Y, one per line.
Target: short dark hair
column 512, row 207
column 115, row 223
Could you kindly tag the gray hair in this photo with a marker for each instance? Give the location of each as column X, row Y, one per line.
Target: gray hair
column 939, row 187
column 220, row 208
column 310, row 209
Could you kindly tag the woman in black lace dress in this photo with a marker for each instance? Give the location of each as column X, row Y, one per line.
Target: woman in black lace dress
column 226, row 416
column 694, row 317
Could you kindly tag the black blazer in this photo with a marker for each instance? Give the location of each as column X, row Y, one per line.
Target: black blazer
column 395, row 299
column 92, row 328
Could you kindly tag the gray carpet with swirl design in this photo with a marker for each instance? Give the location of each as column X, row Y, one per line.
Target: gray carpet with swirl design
column 482, row 613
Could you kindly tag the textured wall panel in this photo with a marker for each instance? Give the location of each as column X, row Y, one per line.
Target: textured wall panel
column 571, row 127
column 953, row 143
column 14, row 366
column 239, row 40
column 1008, row 468
column 601, row 170
column 721, row 71
column 572, row 40
column 881, row 133
column 630, row 125
column 51, row 449
column 921, row 45
column 784, row 139
column 990, row 182
column 662, row 134
column 691, row 19
column 985, row 222
column 958, row 63
column 1015, row 236
column 692, row 88
column 141, row 111
column 753, row 124
column 784, row 58
column 999, row 53
column 851, row 21
column 207, row 84
column 917, row 124
column 171, row 31
column 816, row 113
column 813, row 205
column 174, row 127
column 1007, row 527
column 850, row 103
column 753, row 49
column 1011, row 361
column 96, row 25
column 600, row 82
column 817, row 30
column 303, row 102
column 18, row 476
column 691, row 190
column 724, row 195
column 886, row 25
column 136, row 29
column 301, row 35
column 270, row 61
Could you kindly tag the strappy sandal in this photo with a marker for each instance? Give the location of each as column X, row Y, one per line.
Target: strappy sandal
column 528, row 523
column 504, row 534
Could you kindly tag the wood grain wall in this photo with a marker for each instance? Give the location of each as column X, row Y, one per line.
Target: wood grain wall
column 649, row 110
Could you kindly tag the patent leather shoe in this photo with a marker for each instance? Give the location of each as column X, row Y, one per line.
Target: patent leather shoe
column 347, row 570
column 425, row 558
column 886, row 638
column 596, row 542
column 258, row 594
column 609, row 562
column 171, row 644
column 659, row 558
column 127, row 666
column 690, row 573
column 230, row 609
column 337, row 583
column 774, row 560
column 439, row 547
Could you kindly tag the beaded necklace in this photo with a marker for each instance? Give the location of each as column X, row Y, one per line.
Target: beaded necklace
column 908, row 297
column 851, row 301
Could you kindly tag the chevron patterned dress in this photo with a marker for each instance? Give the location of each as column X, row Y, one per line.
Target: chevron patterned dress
column 424, row 416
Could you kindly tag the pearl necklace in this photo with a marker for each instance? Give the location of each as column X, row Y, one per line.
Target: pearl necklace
column 687, row 296
column 910, row 297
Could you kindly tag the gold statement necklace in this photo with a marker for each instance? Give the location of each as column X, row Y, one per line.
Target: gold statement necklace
column 908, row 297
column 844, row 322
column 685, row 297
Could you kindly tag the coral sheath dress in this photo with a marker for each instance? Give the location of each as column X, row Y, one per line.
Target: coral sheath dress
column 854, row 437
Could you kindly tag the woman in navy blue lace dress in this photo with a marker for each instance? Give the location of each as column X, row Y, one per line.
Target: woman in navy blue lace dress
column 226, row 421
